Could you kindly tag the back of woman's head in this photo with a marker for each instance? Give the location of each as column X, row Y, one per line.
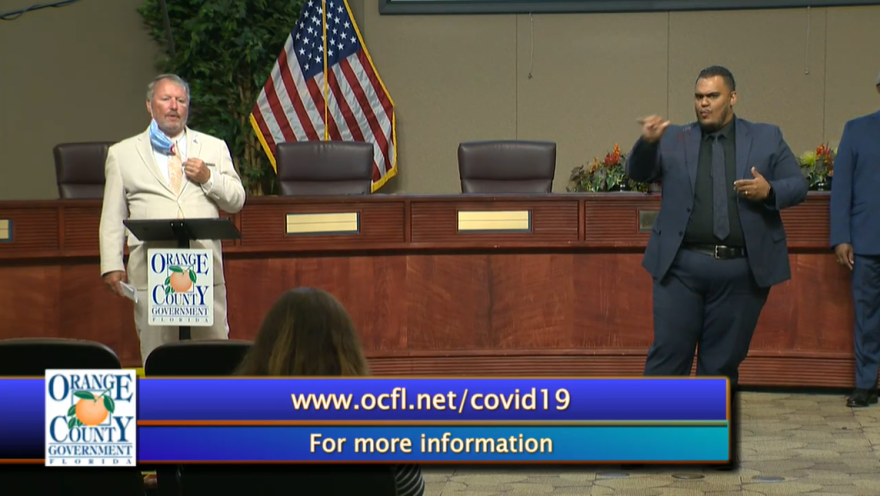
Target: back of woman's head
column 307, row 332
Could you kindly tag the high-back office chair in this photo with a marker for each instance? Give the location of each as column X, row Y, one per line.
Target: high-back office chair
column 507, row 166
column 324, row 168
column 191, row 358
column 31, row 357
column 196, row 358
column 79, row 169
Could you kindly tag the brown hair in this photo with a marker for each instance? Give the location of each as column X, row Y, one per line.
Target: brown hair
column 307, row 332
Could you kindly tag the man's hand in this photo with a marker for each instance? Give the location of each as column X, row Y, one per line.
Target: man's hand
column 112, row 279
column 196, row 170
column 653, row 128
column 756, row 189
column 844, row 254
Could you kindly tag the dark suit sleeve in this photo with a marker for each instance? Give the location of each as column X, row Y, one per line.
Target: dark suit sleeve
column 841, row 190
column 643, row 164
column 789, row 185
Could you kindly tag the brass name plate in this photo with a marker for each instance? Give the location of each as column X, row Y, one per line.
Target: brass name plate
column 5, row 230
column 329, row 223
column 646, row 220
column 495, row 221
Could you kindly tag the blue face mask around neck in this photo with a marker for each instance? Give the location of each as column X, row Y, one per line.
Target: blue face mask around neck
column 159, row 140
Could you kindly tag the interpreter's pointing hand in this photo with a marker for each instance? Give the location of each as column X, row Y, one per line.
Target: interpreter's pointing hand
column 653, row 128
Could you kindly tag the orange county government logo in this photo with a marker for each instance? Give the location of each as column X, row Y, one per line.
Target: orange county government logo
column 181, row 287
column 91, row 418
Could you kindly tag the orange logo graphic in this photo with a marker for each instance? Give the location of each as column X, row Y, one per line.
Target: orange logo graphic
column 181, row 279
column 90, row 410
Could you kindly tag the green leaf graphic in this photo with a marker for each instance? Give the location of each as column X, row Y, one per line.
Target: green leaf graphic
column 71, row 410
column 109, row 404
column 175, row 268
column 192, row 276
column 84, row 395
column 71, row 422
column 167, row 281
column 168, row 290
column 78, row 422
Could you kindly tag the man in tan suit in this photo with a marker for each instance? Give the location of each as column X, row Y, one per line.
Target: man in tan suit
column 168, row 171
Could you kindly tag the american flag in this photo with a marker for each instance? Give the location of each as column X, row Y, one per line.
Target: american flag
column 324, row 87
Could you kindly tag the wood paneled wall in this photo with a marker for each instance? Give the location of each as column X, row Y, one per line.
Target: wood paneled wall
column 568, row 295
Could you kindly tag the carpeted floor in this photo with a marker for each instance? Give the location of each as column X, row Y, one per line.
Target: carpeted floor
column 791, row 444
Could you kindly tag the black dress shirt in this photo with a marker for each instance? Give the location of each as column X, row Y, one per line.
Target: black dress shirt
column 701, row 225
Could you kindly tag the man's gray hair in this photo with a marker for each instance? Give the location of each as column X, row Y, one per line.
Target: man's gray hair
column 173, row 77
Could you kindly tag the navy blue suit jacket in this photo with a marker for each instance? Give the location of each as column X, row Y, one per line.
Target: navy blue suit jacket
column 673, row 160
column 855, row 188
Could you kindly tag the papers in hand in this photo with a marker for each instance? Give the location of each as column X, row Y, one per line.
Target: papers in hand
column 129, row 291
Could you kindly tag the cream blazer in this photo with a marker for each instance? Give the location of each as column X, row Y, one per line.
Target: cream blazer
column 136, row 189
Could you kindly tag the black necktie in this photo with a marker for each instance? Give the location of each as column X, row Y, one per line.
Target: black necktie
column 719, row 189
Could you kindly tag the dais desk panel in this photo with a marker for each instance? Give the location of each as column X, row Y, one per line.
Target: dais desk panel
column 561, row 289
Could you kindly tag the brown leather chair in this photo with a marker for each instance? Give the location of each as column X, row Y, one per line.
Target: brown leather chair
column 79, row 169
column 324, row 168
column 507, row 166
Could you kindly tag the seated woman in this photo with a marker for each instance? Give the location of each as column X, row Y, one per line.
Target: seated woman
column 308, row 333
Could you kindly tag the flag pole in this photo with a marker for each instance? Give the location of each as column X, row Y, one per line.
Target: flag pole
column 326, row 78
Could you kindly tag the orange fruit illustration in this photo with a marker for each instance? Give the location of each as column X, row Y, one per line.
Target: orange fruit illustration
column 180, row 281
column 91, row 412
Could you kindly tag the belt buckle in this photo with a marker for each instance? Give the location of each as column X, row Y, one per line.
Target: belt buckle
column 716, row 255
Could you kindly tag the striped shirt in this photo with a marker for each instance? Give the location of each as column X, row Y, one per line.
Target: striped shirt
column 409, row 480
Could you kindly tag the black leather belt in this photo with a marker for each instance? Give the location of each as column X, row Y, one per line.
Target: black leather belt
column 719, row 252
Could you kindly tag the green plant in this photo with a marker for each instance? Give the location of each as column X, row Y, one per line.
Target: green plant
column 818, row 167
column 225, row 50
column 609, row 174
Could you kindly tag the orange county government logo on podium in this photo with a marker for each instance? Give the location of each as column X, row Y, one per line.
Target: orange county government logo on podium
column 91, row 418
column 180, row 284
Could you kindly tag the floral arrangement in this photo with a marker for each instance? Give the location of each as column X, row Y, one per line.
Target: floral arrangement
column 608, row 174
column 818, row 167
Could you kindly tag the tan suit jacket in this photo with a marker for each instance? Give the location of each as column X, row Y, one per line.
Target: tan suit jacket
column 136, row 189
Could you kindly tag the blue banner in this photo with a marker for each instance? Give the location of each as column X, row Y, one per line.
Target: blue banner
column 274, row 419
column 534, row 444
column 440, row 399
column 22, row 418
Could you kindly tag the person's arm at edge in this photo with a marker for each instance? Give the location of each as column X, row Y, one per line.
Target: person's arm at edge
column 410, row 481
column 841, row 190
column 789, row 186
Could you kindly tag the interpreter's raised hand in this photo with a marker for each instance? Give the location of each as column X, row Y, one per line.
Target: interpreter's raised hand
column 653, row 128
